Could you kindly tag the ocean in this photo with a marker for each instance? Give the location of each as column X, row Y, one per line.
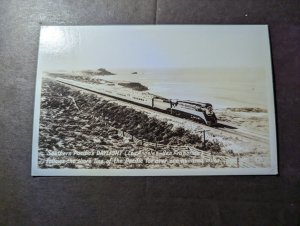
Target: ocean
column 233, row 88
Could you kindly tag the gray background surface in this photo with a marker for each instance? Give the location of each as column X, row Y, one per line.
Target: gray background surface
column 231, row 200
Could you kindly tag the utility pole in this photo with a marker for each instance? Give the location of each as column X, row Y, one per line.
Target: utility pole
column 204, row 141
column 171, row 105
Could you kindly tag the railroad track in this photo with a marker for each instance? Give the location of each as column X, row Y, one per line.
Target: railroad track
column 245, row 135
column 221, row 127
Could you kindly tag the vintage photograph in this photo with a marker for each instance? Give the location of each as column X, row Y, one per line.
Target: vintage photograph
column 154, row 100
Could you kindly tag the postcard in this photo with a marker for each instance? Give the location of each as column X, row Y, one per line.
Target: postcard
column 154, row 100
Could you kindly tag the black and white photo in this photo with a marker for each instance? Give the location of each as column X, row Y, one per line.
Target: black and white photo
column 154, row 100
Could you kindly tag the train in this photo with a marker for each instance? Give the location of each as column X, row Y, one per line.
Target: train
column 198, row 111
column 194, row 110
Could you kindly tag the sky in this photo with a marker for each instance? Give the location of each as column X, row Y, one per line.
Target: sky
column 153, row 47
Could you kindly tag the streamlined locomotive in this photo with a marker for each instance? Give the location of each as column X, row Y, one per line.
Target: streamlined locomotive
column 199, row 111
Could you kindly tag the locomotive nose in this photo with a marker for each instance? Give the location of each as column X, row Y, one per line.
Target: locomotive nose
column 209, row 111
